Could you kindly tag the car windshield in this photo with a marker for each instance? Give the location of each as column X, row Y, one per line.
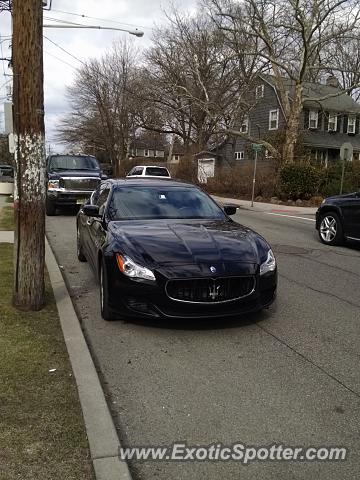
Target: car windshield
column 157, row 172
column 137, row 203
column 73, row 162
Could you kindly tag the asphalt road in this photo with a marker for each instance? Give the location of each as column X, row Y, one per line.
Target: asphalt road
column 289, row 375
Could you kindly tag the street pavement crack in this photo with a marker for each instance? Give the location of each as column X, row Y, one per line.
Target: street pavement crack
column 315, row 260
column 323, row 292
column 268, row 332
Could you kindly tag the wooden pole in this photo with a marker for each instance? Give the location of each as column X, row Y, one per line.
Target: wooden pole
column 30, row 186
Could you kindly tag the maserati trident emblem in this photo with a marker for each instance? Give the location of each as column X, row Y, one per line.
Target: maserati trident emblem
column 212, row 269
column 214, row 291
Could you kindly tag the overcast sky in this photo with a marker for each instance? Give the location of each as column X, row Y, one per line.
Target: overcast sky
column 59, row 67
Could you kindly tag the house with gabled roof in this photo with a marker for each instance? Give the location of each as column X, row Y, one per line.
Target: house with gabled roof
column 330, row 118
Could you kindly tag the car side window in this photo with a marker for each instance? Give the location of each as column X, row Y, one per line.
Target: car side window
column 137, row 171
column 101, row 201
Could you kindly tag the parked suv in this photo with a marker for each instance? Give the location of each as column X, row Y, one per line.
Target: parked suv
column 71, row 179
column 338, row 219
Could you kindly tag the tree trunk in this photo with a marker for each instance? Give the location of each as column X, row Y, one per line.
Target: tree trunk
column 292, row 129
column 30, row 183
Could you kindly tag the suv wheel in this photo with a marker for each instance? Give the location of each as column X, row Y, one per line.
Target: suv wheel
column 50, row 208
column 330, row 230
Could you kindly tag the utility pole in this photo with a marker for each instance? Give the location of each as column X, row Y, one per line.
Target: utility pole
column 30, row 187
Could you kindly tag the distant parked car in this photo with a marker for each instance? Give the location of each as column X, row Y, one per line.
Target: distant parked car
column 6, row 171
column 71, row 179
column 6, row 180
column 338, row 219
column 149, row 171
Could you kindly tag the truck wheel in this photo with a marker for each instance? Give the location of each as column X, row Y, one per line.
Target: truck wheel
column 50, row 208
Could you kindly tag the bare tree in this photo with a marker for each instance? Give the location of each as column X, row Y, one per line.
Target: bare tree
column 294, row 37
column 194, row 82
column 103, row 104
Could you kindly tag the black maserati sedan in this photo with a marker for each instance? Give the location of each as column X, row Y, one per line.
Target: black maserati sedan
column 338, row 219
column 165, row 249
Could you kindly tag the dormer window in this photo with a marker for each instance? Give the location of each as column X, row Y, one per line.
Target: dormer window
column 351, row 124
column 245, row 125
column 239, row 155
column 332, row 126
column 259, row 91
column 313, row 119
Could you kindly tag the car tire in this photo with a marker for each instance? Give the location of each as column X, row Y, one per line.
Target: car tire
column 106, row 312
column 330, row 229
column 50, row 208
column 79, row 250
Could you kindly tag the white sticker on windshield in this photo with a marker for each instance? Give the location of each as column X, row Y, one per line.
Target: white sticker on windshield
column 162, row 196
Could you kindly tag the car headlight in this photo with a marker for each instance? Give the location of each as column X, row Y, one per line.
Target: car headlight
column 131, row 269
column 269, row 265
column 53, row 184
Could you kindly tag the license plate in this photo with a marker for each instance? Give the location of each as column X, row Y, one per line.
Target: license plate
column 81, row 201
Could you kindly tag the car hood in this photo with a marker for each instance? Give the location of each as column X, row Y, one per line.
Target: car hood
column 344, row 196
column 202, row 243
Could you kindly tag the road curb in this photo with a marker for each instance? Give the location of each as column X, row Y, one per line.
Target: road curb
column 101, row 432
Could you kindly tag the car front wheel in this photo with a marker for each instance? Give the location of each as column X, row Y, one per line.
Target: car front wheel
column 330, row 230
column 79, row 250
column 106, row 312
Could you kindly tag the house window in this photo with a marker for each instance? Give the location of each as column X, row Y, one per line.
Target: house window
column 313, row 119
column 274, row 119
column 239, row 155
column 259, row 91
column 267, row 154
column 148, row 153
column 245, row 125
column 160, row 153
column 176, row 158
column 351, row 124
column 332, row 122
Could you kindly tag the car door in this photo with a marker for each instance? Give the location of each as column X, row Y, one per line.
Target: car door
column 95, row 228
column 351, row 213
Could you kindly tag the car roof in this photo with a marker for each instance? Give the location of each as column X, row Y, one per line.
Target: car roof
column 150, row 181
column 149, row 166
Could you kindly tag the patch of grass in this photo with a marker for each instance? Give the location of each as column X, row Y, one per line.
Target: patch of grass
column 6, row 218
column 42, row 434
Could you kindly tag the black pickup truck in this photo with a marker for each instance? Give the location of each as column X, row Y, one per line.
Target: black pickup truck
column 71, row 179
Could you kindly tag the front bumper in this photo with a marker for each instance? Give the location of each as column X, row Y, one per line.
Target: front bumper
column 68, row 197
column 130, row 298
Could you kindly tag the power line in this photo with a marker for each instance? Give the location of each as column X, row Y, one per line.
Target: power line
column 97, row 18
column 63, row 49
column 60, row 60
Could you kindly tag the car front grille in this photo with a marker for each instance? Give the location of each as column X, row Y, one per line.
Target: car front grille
column 210, row 290
column 81, row 183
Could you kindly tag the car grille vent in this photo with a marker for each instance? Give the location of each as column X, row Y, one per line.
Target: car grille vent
column 210, row 290
column 79, row 183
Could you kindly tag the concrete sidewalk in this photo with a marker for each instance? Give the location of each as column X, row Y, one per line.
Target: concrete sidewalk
column 101, row 432
column 266, row 207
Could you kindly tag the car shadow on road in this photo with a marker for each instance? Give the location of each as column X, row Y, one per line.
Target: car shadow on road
column 205, row 324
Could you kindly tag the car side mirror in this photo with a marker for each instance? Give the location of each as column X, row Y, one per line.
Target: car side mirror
column 230, row 209
column 91, row 210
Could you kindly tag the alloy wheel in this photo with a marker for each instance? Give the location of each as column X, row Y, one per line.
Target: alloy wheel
column 328, row 228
